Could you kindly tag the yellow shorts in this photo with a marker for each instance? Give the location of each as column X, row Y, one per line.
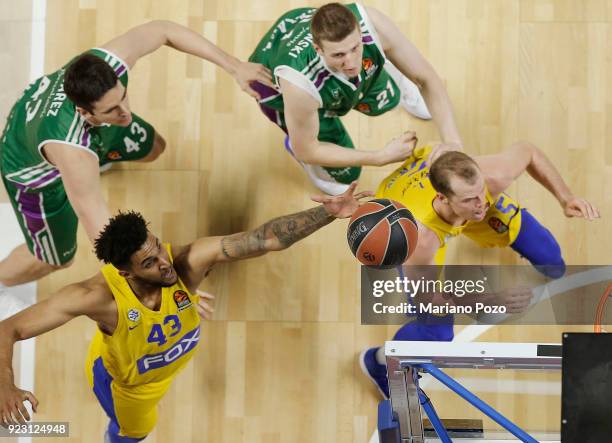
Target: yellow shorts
column 132, row 409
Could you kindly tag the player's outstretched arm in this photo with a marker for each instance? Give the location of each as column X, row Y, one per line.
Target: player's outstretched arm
column 274, row 235
column 81, row 177
column 146, row 38
column 504, row 168
column 407, row 58
column 301, row 111
column 77, row 299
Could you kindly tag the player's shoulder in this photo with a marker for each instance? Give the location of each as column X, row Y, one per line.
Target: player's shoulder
column 95, row 288
column 182, row 256
column 496, row 171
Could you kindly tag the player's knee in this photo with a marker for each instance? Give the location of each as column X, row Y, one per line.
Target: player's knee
column 538, row 245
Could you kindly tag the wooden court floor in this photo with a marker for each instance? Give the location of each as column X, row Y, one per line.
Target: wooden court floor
column 278, row 363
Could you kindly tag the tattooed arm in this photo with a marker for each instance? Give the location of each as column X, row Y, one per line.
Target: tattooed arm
column 274, row 235
column 195, row 260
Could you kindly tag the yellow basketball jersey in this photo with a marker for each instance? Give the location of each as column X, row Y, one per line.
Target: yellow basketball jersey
column 410, row 185
column 148, row 347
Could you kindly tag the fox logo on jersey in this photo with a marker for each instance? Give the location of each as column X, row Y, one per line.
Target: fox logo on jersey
column 182, row 347
column 181, row 299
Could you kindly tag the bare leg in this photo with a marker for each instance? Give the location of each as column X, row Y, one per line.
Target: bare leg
column 22, row 267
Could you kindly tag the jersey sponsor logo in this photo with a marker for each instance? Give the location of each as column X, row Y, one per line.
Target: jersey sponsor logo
column 182, row 300
column 341, row 172
column 133, row 315
column 114, row 155
column 369, row 67
column 498, row 225
column 336, row 99
column 181, row 348
column 363, row 107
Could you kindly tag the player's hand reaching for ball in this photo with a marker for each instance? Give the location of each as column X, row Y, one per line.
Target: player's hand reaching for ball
column 343, row 205
column 246, row 73
column 204, row 306
column 12, row 409
column 398, row 149
column 579, row 207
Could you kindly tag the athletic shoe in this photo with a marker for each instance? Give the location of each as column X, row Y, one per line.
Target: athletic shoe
column 375, row 371
column 411, row 99
column 318, row 175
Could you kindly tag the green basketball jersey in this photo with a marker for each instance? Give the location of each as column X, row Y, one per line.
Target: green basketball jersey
column 43, row 115
column 287, row 51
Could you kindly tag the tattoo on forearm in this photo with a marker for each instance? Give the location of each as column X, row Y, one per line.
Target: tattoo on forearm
column 244, row 244
column 291, row 228
column 282, row 231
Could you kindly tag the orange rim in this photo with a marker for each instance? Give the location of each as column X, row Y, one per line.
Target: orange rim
column 601, row 307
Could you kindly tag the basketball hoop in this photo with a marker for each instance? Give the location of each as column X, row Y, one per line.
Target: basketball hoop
column 601, row 308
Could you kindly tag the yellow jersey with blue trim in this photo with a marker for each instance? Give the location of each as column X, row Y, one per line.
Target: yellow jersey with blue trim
column 410, row 185
column 147, row 346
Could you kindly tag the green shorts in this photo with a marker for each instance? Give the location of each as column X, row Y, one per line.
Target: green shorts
column 46, row 217
column 382, row 96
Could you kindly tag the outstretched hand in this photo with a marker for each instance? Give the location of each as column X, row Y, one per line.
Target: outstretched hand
column 579, row 207
column 247, row 72
column 205, row 309
column 12, row 408
column 343, row 205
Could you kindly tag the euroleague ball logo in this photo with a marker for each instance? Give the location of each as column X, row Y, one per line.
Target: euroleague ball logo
column 369, row 257
column 359, row 229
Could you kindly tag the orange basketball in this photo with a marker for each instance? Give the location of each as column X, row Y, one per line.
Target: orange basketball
column 382, row 232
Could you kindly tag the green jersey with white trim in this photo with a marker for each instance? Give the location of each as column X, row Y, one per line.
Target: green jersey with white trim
column 287, row 51
column 43, row 115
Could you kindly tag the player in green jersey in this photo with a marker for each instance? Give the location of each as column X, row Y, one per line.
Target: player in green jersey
column 72, row 122
column 330, row 60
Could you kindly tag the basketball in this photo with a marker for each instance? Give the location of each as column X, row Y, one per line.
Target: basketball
column 382, row 232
